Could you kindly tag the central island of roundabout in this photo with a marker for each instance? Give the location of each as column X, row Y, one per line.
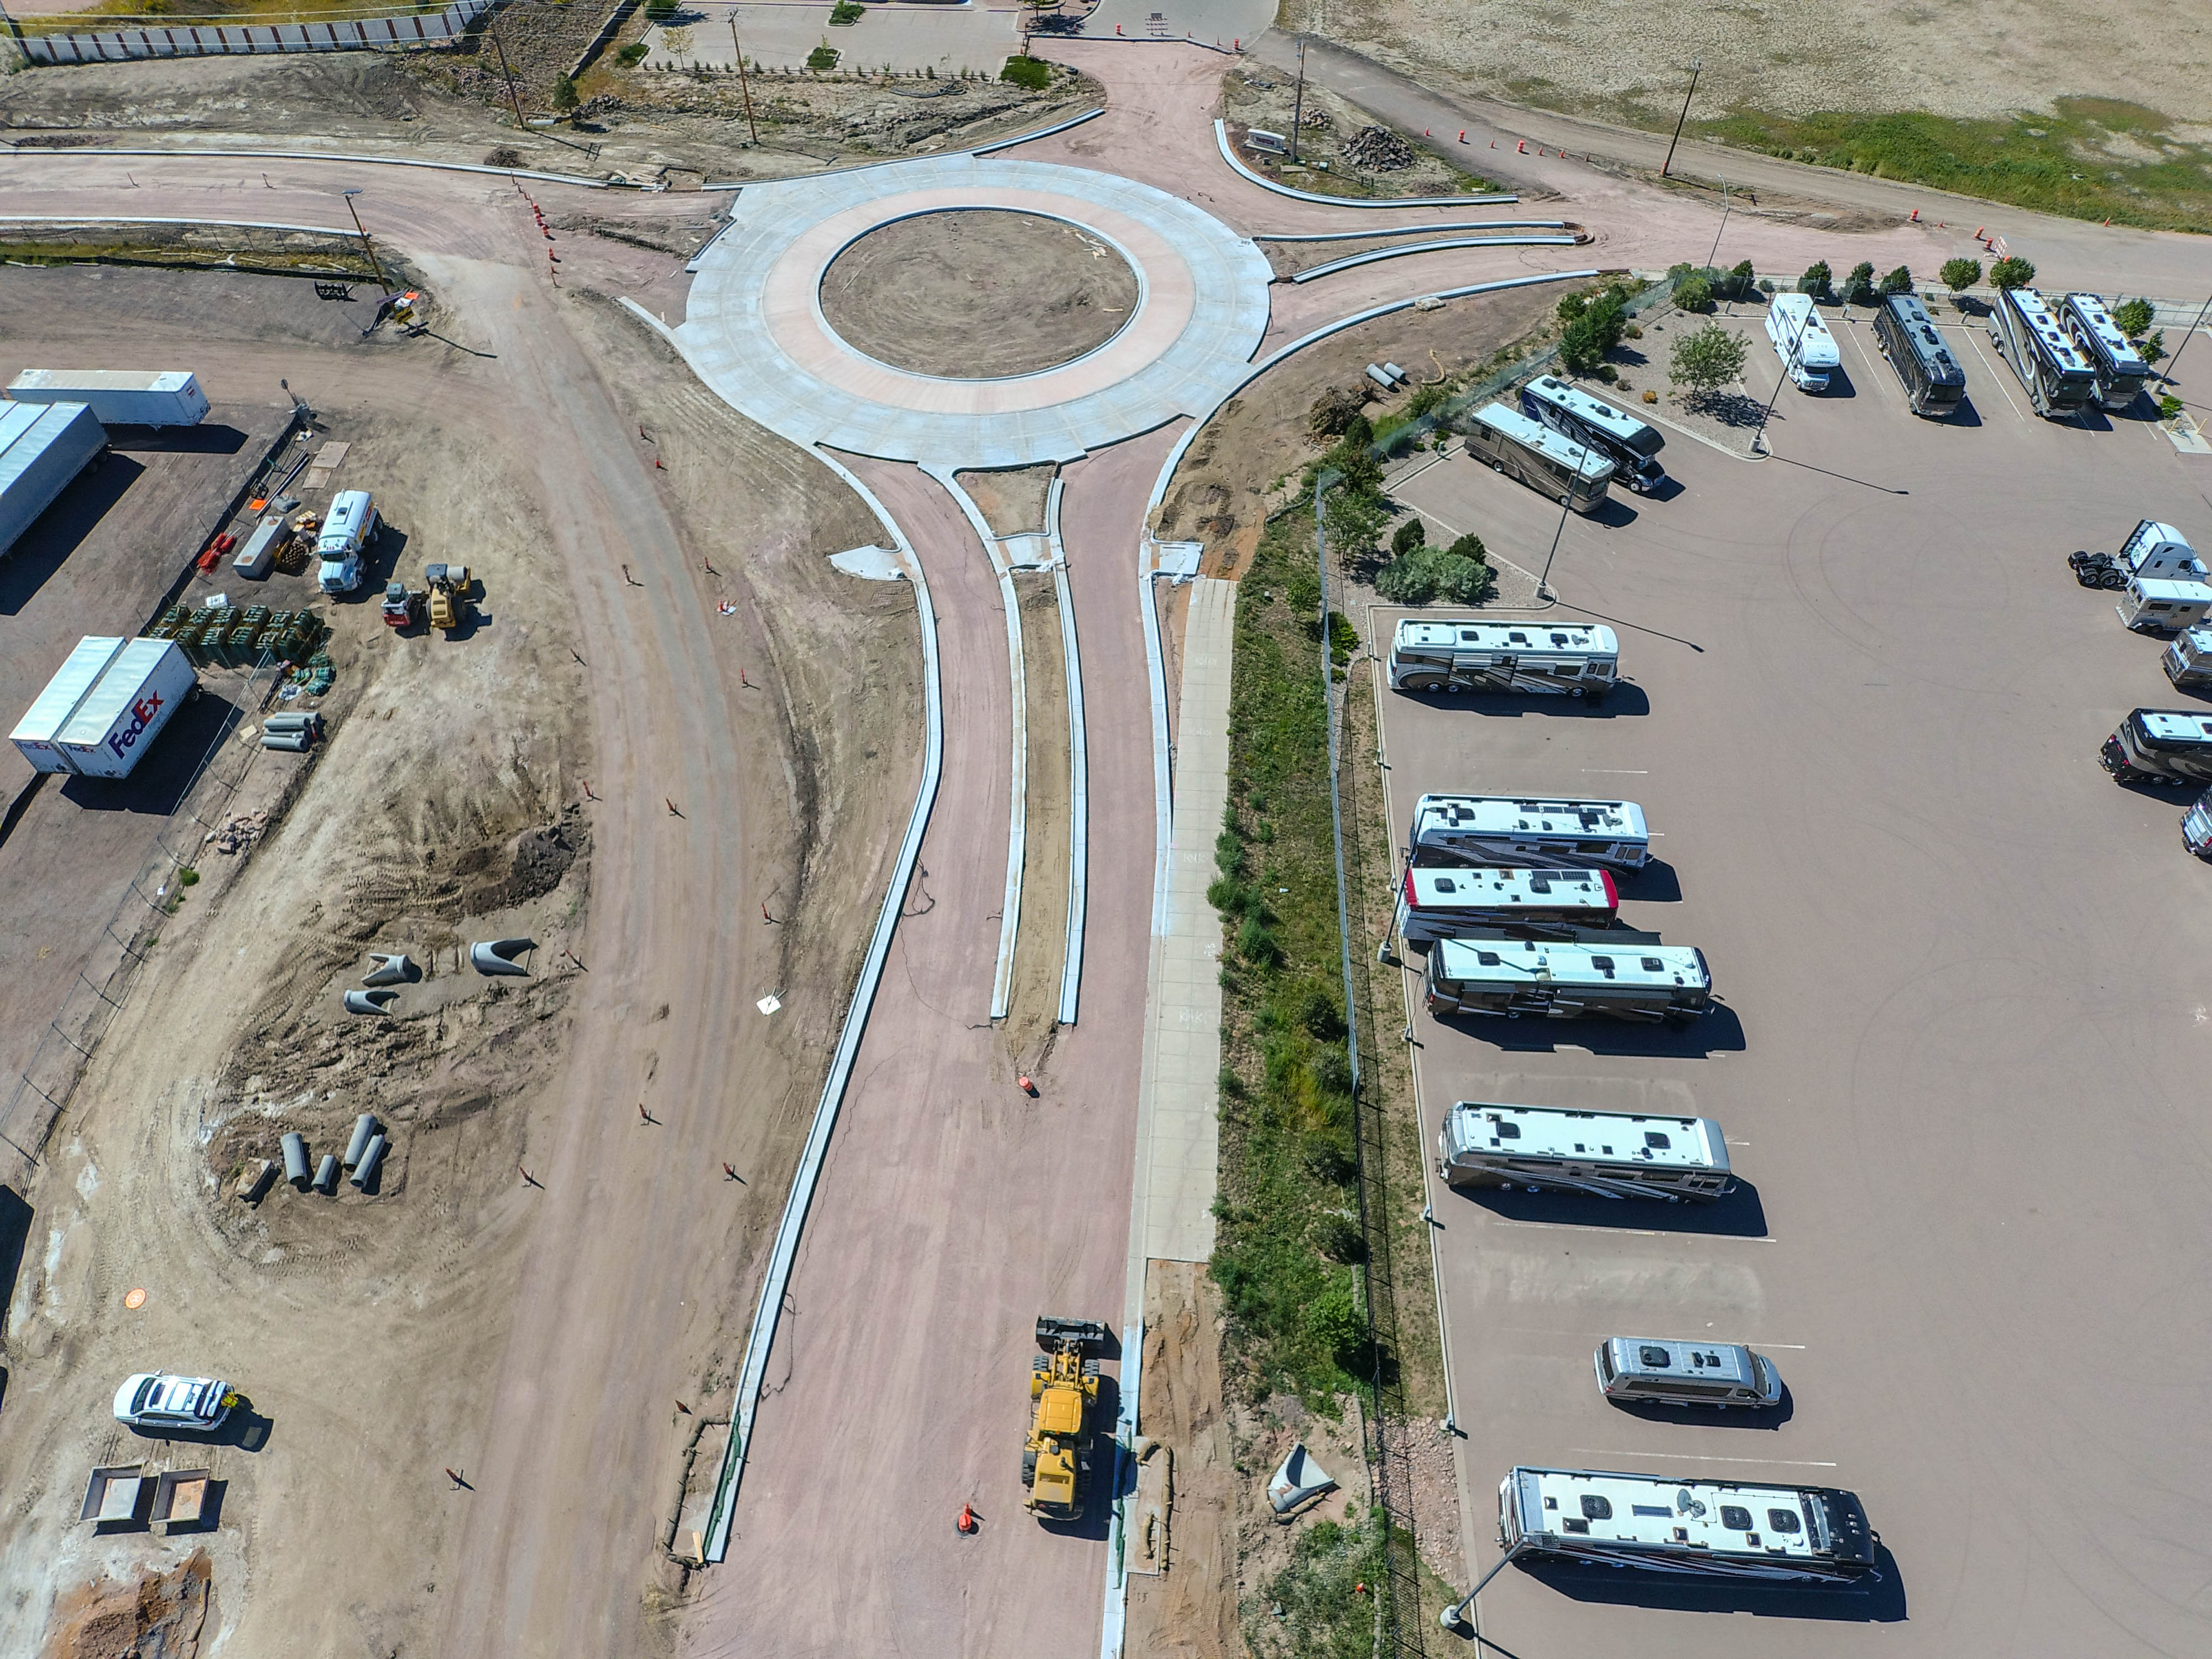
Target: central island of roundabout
column 756, row 331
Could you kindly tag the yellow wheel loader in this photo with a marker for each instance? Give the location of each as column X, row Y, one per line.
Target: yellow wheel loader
column 1064, row 1397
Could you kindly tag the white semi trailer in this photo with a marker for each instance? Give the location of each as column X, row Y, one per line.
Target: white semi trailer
column 118, row 397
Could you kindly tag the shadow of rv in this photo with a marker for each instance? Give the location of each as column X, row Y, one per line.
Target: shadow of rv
column 1738, row 1215
column 1877, row 1599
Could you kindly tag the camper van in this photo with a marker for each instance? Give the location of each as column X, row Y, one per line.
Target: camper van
column 1642, row 1371
column 1544, row 658
column 1436, row 904
column 1648, row 983
column 2160, row 745
column 1596, row 1154
column 1801, row 339
column 1519, row 831
column 1696, row 1528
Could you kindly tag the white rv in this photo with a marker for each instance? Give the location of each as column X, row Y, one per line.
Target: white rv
column 1801, row 339
column 1703, row 1528
column 1596, row 1154
column 1563, row 659
column 1436, row 904
column 1515, row 976
column 1521, row 831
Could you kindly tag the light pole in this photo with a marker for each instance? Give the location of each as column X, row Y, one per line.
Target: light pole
column 365, row 246
column 1716, row 252
column 1795, row 341
column 2166, row 374
column 1298, row 100
column 1696, row 65
column 1567, row 506
column 1453, row 1616
column 745, row 85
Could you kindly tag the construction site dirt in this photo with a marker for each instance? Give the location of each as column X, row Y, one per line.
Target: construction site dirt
column 460, row 798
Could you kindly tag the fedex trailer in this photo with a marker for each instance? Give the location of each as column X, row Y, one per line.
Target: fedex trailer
column 35, row 733
column 118, row 397
column 120, row 716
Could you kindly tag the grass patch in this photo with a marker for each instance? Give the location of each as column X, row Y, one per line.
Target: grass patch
column 2064, row 163
column 1288, row 1168
column 1314, row 1608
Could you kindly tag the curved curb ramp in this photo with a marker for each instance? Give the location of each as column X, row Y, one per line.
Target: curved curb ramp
column 762, row 1337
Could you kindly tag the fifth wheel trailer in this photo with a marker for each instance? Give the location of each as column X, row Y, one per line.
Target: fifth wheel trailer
column 119, row 396
column 42, row 448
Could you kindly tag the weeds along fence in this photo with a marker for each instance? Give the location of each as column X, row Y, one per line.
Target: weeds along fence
column 208, row 38
column 43, row 1088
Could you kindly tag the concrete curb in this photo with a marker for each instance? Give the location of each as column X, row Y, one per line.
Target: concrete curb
column 359, row 161
column 1079, row 766
column 1018, row 807
column 1394, row 230
column 222, row 224
column 762, row 1338
column 1374, row 254
column 1229, row 154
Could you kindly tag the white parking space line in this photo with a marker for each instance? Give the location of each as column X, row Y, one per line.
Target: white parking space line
column 1994, row 375
column 1686, row 1457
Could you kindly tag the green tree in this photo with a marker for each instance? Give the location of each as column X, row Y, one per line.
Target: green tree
column 1408, row 535
column 564, row 89
column 1707, row 359
column 1471, row 548
column 2014, row 272
column 1897, row 282
column 1742, row 281
column 1572, row 306
column 1693, row 292
column 1816, row 279
column 1354, row 521
column 1858, row 287
column 2152, row 350
column 2134, row 318
column 1959, row 275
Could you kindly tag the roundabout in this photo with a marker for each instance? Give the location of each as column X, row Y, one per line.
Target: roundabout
column 1047, row 372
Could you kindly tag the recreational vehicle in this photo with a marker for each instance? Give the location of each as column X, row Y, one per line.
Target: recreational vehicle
column 1802, row 340
column 1704, row 1529
column 1436, row 904
column 2057, row 377
column 2118, row 367
column 1596, row 1154
column 1515, row 976
column 1519, row 831
column 1934, row 382
column 2160, row 745
column 1632, row 446
column 1548, row 463
column 1562, row 658
column 1640, row 1370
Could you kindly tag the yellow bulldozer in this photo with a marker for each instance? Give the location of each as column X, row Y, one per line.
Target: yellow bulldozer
column 449, row 595
column 1064, row 1397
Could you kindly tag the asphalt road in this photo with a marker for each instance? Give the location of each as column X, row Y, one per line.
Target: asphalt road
column 1960, row 1058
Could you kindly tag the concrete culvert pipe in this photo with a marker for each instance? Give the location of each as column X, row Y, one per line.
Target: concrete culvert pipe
column 326, row 1177
column 296, row 1158
column 499, row 956
column 372, row 1155
column 370, row 1002
column 364, row 1130
column 389, row 969
column 293, row 743
column 292, row 723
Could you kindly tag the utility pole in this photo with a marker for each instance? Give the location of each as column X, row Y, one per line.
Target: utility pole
column 745, row 85
column 1796, row 340
column 1715, row 254
column 365, row 246
column 1299, row 102
column 492, row 29
column 1696, row 63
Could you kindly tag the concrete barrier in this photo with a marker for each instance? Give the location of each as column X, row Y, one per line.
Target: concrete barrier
column 498, row 955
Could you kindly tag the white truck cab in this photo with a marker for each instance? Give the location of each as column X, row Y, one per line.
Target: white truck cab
column 1801, row 339
column 351, row 525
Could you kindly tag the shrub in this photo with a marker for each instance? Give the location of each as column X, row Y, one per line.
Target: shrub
column 1572, row 306
column 1434, row 573
column 1257, row 944
column 1959, row 275
column 1693, row 294
column 1429, row 395
column 1899, row 281
column 659, row 10
column 1651, row 397
column 1338, row 1238
column 1743, row 282
column 2014, row 272
column 1816, row 279
column 633, row 54
column 2133, row 318
column 1354, row 519
column 845, row 14
column 1469, row 547
column 1333, row 1320
column 564, row 93
column 505, row 157
column 2153, row 349
column 1858, row 287
column 2169, row 406
column 1408, row 535
column 1030, row 74
column 1707, row 359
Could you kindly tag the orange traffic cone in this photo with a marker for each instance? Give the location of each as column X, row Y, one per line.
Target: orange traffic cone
column 966, row 1520
column 1028, row 1087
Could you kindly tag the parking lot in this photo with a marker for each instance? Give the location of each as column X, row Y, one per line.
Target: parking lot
column 1960, row 1058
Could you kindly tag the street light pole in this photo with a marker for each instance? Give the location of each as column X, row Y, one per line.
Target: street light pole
column 1795, row 341
column 1453, row 1616
column 2166, row 374
column 1696, row 65
column 365, row 246
column 1567, row 506
column 1716, row 252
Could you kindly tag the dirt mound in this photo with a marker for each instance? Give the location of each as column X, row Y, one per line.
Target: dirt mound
column 158, row 1615
column 536, row 860
column 1378, row 149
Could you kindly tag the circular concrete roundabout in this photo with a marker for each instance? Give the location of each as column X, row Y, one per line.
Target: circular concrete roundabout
column 755, row 328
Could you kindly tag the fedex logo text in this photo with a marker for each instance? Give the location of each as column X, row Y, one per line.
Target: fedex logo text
column 143, row 711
